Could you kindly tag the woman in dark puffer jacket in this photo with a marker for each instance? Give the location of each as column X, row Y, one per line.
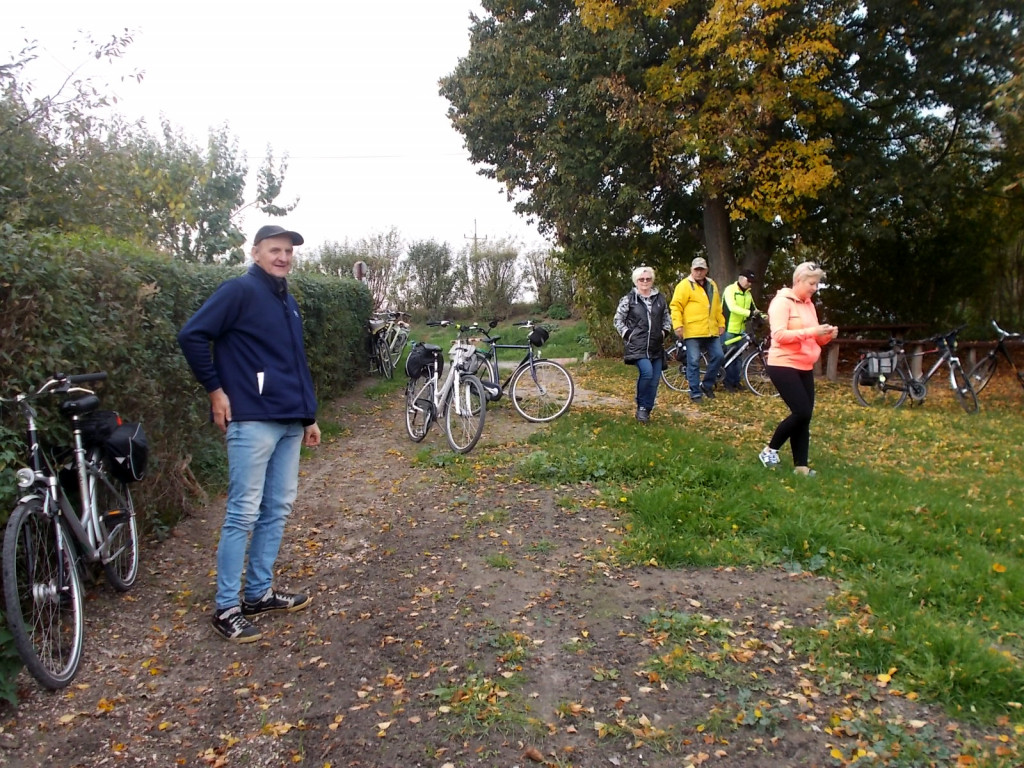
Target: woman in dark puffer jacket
column 642, row 320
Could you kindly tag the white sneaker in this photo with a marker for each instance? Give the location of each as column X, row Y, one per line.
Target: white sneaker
column 769, row 457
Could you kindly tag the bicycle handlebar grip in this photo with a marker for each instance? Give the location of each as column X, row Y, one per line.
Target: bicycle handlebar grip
column 85, row 378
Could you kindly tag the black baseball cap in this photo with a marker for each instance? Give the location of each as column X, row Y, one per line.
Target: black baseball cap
column 272, row 230
column 749, row 274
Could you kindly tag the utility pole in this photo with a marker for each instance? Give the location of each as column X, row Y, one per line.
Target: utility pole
column 475, row 238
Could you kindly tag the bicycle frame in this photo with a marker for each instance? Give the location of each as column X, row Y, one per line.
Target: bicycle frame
column 45, row 479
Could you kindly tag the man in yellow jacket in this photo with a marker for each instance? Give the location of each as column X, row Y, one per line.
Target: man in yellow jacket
column 697, row 318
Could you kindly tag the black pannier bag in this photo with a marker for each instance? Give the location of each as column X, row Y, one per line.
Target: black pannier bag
column 420, row 357
column 98, row 426
column 538, row 336
column 128, row 452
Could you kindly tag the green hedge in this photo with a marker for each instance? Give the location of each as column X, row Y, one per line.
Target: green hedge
column 73, row 303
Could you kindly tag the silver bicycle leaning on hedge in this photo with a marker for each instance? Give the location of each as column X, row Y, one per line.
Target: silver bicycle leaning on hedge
column 541, row 390
column 885, row 378
column 460, row 400
column 47, row 541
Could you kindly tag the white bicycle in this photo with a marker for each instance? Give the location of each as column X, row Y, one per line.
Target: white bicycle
column 460, row 400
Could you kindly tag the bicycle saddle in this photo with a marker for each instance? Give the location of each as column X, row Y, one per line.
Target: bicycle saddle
column 80, row 406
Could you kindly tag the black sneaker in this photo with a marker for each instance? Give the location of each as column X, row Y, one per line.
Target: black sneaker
column 275, row 601
column 232, row 625
column 709, row 392
column 643, row 415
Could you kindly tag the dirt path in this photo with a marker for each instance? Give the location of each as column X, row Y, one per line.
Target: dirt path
column 459, row 618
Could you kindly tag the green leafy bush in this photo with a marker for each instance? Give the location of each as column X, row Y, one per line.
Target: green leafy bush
column 559, row 312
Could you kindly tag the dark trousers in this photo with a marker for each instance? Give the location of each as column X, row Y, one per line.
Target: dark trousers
column 797, row 391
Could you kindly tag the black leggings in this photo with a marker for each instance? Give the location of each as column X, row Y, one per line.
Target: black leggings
column 797, row 391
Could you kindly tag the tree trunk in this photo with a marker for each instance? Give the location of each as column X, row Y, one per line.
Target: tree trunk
column 718, row 241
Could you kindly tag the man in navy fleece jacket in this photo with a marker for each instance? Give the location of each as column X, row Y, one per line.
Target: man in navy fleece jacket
column 245, row 347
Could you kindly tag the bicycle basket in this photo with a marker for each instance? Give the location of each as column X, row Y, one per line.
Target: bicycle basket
column 538, row 336
column 420, row 358
column 98, row 426
column 881, row 362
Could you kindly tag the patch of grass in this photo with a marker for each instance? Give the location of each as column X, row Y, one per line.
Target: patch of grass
column 915, row 512
column 542, row 547
column 490, row 517
column 500, row 561
column 478, row 703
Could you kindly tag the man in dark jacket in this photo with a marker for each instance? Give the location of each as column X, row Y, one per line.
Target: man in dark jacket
column 261, row 396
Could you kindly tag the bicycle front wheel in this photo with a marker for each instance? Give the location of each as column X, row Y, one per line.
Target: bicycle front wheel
column 542, row 391
column 755, row 374
column 120, row 548
column 464, row 413
column 43, row 595
column 419, row 407
column 874, row 390
column 398, row 347
column 965, row 395
column 981, row 373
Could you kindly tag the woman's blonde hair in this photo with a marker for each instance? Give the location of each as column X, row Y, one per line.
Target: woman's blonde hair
column 808, row 271
column 642, row 270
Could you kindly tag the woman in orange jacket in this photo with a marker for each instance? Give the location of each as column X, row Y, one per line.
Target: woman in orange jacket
column 797, row 339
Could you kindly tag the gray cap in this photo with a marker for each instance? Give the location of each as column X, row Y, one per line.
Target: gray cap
column 272, row 230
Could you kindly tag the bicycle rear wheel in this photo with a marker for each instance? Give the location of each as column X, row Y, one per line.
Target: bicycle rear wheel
column 874, row 390
column 965, row 395
column 43, row 595
column 755, row 374
column 419, row 407
column 116, row 513
column 541, row 392
column 981, row 373
column 384, row 363
column 464, row 413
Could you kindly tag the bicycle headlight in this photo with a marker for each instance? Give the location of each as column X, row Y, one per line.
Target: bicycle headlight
column 26, row 477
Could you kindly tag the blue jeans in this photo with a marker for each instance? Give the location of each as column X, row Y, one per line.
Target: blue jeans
column 734, row 370
column 712, row 347
column 647, row 381
column 263, row 479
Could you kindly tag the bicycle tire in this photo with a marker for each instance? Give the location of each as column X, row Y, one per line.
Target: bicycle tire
column 541, row 393
column 384, row 364
column 981, row 374
column 44, row 607
column 673, row 373
column 419, row 407
column 755, row 376
column 398, row 347
column 464, row 424
column 872, row 390
column 965, row 394
column 116, row 512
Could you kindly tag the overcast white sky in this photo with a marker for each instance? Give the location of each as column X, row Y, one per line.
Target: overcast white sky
column 347, row 89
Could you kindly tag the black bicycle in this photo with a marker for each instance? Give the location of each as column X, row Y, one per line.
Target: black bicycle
column 981, row 374
column 885, row 378
column 541, row 390
column 47, row 541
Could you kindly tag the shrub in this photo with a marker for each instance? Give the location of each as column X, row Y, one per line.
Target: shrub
column 559, row 312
